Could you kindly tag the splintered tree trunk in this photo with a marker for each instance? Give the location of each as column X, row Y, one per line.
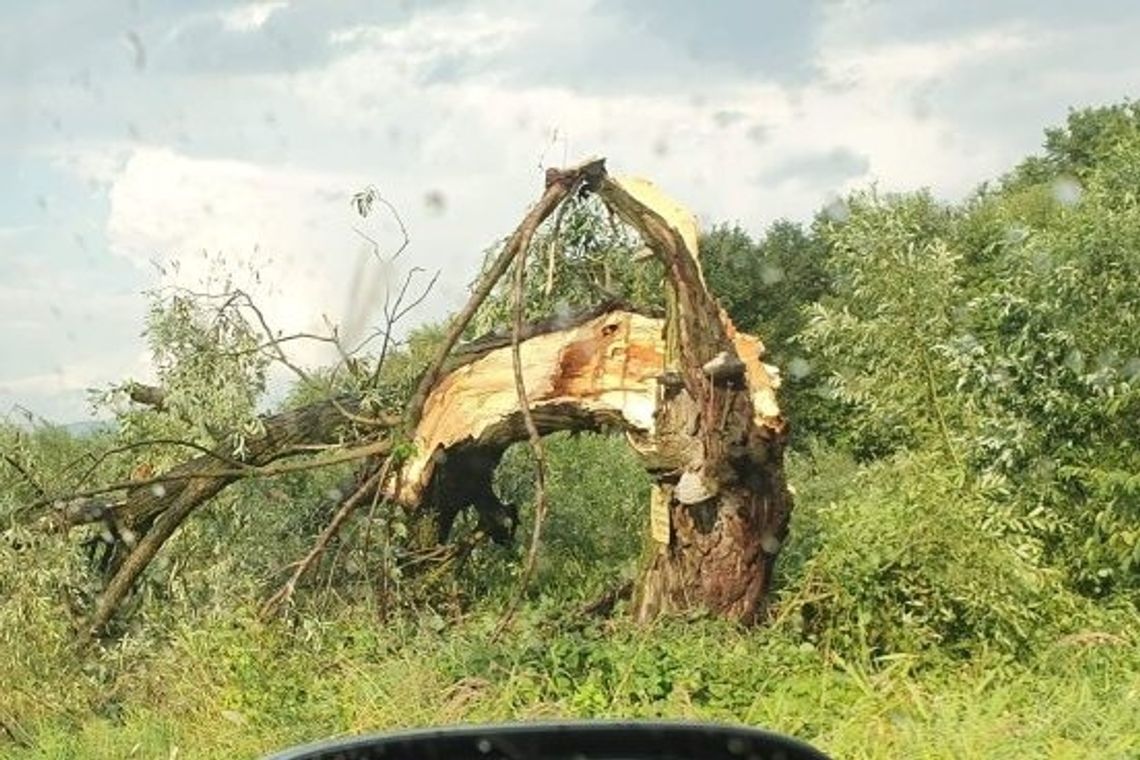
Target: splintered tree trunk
column 714, row 543
column 691, row 394
column 720, row 505
column 715, row 550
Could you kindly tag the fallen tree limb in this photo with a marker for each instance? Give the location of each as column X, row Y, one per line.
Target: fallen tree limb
column 288, row 434
column 187, row 500
column 689, row 391
column 558, row 186
column 603, row 374
column 23, row 472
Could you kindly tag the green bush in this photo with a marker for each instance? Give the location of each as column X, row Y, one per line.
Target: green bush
column 598, row 498
column 907, row 561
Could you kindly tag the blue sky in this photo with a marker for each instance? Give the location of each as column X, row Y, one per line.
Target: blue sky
column 144, row 132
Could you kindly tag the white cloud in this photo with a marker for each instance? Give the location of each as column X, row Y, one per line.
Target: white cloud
column 488, row 126
column 80, row 375
column 285, row 235
column 251, row 16
column 16, row 230
column 450, row 92
column 435, row 34
column 97, row 163
column 905, row 63
column 61, row 394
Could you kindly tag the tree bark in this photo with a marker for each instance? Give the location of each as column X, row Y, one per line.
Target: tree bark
column 724, row 504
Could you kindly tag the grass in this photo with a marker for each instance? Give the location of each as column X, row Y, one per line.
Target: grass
column 244, row 690
column 895, row 638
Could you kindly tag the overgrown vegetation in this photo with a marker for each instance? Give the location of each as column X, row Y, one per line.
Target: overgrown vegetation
column 963, row 572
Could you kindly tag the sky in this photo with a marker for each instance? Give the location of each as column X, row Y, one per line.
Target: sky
column 146, row 143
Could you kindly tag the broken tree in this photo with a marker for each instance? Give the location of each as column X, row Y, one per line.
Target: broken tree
column 690, row 393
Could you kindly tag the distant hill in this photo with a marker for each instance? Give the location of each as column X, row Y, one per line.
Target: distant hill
column 88, row 427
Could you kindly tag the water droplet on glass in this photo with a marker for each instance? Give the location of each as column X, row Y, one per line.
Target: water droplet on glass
column 1046, row 468
column 1131, row 369
column 1107, row 360
column 435, row 201
column 837, row 210
column 1067, row 191
column 1016, row 233
column 562, row 314
column 1075, row 361
column 333, row 494
column 724, row 119
column 758, row 133
column 798, row 368
column 137, row 48
column 969, row 342
column 770, row 274
column 159, row 490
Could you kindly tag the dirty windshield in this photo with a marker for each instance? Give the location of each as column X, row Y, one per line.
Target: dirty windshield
column 377, row 366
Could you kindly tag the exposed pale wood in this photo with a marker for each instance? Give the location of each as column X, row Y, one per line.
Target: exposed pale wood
column 601, row 374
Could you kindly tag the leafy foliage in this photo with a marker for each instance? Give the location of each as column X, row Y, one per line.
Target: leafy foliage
column 963, row 567
column 895, row 284
column 578, row 258
column 909, row 562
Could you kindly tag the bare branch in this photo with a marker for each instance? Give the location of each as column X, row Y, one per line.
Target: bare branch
column 15, row 465
column 535, row 439
column 364, row 201
column 100, row 458
column 274, row 343
column 285, row 593
column 399, row 313
column 248, row 471
column 283, row 339
column 558, row 186
column 393, row 314
column 236, row 296
column 554, row 245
